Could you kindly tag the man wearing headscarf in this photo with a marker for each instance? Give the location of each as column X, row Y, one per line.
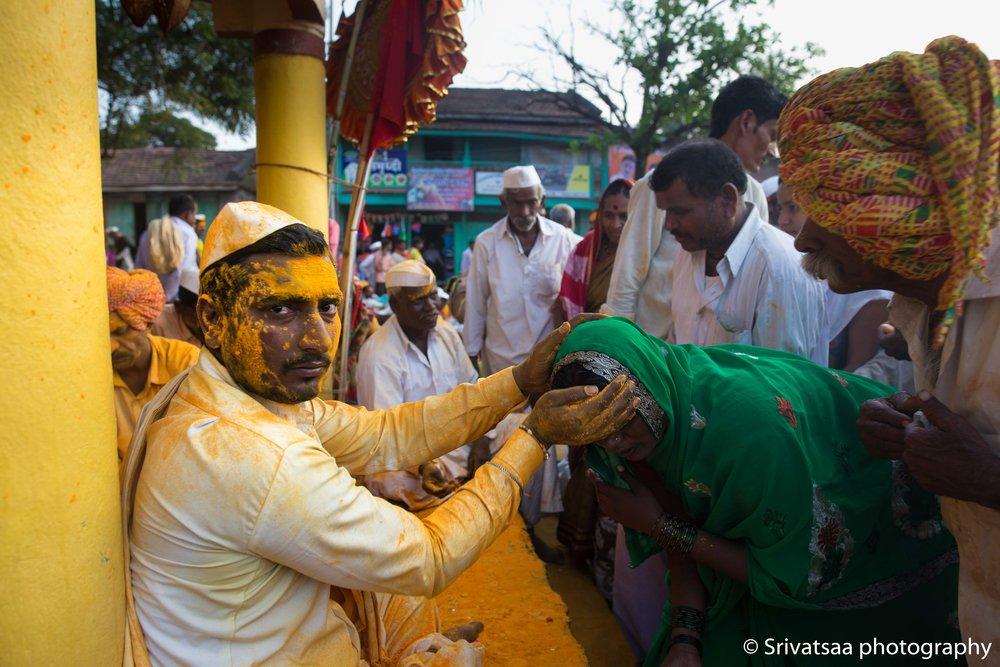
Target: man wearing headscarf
column 415, row 354
column 897, row 165
column 248, row 538
column 142, row 362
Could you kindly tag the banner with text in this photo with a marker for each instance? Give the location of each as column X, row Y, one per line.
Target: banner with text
column 441, row 189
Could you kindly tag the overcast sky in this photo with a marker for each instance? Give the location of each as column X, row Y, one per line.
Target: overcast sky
column 500, row 34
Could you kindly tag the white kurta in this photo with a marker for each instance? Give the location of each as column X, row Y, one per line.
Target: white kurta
column 247, row 512
column 509, row 295
column 841, row 308
column 965, row 376
column 762, row 296
column 641, row 279
column 755, row 195
column 392, row 370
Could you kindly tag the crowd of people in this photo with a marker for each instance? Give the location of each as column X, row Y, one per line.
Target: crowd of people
column 758, row 412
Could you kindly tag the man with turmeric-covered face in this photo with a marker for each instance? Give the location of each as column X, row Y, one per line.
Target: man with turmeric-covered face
column 250, row 541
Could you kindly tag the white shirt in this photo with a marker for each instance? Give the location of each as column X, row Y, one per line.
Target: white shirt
column 762, row 296
column 466, row 260
column 755, row 195
column 392, row 370
column 965, row 376
column 841, row 308
column 367, row 268
column 509, row 296
column 641, row 279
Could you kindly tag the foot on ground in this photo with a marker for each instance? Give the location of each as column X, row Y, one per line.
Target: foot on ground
column 467, row 631
column 546, row 553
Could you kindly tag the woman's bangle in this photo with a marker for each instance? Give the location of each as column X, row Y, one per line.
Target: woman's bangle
column 674, row 534
column 690, row 640
column 688, row 618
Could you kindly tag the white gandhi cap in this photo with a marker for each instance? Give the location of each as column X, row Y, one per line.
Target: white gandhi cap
column 521, row 177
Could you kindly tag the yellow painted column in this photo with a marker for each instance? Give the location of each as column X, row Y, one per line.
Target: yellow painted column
column 61, row 585
column 289, row 83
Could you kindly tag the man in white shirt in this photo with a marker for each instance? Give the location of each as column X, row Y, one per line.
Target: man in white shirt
column 915, row 211
column 744, row 117
column 250, row 541
column 737, row 278
column 183, row 211
column 642, row 276
column 415, row 354
column 515, row 276
column 467, row 258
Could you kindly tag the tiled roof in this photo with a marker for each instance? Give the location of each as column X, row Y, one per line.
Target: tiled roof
column 529, row 111
column 170, row 169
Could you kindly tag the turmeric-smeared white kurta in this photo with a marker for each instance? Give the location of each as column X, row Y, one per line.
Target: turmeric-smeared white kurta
column 247, row 511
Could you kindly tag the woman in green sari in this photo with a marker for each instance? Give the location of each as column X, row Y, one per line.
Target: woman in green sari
column 744, row 466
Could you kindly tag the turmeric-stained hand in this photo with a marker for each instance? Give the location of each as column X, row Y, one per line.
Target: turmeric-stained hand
column 533, row 374
column 582, row 415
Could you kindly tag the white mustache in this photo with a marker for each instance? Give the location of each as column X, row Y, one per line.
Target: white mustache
column 821, row 265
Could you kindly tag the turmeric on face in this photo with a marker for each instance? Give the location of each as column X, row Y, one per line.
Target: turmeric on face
column 280, row 335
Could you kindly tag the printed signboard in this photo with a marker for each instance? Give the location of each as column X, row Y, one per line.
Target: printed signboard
column 440, row 189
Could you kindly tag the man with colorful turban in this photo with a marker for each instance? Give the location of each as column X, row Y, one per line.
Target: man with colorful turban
column 142, row 362
column 415, row 354
column 897, row 165
column 248, row 538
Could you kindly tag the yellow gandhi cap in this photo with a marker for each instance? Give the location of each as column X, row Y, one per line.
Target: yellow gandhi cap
column 240, row 224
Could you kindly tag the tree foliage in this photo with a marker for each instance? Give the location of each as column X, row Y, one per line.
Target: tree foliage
column 678, row 53
column 148, row 78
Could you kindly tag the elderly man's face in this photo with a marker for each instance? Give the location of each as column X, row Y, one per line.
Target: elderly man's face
column 523, row 206
column 128, row 345
column 281, row 335
column 416, row 308
column 830, row 257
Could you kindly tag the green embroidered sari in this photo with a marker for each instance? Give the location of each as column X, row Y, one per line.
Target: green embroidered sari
column 762, row 448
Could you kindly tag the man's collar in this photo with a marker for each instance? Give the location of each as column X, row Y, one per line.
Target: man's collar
column 544, row 226
column 738, row 249
column 404, row 340
column 299, row 414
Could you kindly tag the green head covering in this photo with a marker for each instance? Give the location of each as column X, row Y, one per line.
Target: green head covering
column 762, row 447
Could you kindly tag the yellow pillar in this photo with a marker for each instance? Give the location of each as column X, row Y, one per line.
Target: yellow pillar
column 61, row 585
column 289, row 83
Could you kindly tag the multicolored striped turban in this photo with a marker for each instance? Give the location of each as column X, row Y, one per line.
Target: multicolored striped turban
column 137, row 296
column 901, row 158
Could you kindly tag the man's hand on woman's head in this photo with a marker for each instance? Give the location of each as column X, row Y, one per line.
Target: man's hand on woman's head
column 533, row 374
column 582, row 415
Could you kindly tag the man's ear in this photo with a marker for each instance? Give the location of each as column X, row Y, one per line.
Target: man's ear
column 730, row 198
column 210, row 319
column 748, row 121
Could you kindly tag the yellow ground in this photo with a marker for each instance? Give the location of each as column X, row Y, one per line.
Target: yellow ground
column 507, row 590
